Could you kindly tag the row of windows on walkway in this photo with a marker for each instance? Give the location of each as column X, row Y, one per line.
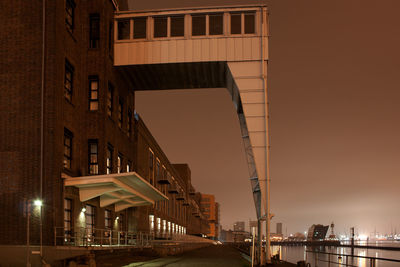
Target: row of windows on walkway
column 94, row 25
column 93, row 98
column 174, row 26
column 123, row 165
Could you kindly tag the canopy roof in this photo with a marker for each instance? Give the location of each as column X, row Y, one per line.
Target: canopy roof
column 124, row 190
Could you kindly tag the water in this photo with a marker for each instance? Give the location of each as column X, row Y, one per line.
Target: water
column 296, row 253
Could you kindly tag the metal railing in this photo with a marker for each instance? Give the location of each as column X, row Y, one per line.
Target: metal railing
column 84, row 237
column 348, row 261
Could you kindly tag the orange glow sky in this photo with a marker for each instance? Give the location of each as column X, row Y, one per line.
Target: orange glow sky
column 334, row 85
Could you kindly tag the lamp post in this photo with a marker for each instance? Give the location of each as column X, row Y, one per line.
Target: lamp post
column 36, row 203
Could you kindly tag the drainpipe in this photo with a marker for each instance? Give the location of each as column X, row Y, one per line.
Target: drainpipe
column 42, row 122
column 267, row 156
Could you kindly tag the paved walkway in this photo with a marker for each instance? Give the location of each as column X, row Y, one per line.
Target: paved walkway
column 213, row 256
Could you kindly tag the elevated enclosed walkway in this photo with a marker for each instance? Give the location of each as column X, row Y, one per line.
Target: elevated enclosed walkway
column 223, row 47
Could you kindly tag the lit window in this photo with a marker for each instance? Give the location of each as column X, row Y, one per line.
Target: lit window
column 67, row 148
column 119, row 164
column 68, row 80
column 177, row 26
column 215, row 24
column 110, row 99
column 93, row 157
column 93, row 93
column 139, row 28
column 129, row 166
column 89, row 220
column 198, row 25
column 151, row 222
column 123, row 29
column 109, row 162
column 69, row 14
column 107, row 219
column 158, row 224
column 67, row 219
column 94, row 31
column 160, row 26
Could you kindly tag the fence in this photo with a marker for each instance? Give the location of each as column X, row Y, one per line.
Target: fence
column 345, row 259
column 84, row 237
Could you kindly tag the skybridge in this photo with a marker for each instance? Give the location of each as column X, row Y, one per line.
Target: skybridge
column 208, row 47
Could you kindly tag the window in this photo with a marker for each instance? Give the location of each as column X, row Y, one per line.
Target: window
column 177, row 26
column 119, row 163
column 158, row 170
column 198, row 25
column 236, row 23
column 160, row 26
column 67, row 219
column 110, row 37
column 93, row 157
column 120, row 112
column 69, row 14
column 107, row 220
column 68, row 80
column 248, row 26
column 110, row 99
column 123, row 29
column 129, row 132
column 89, row 220
column 139, row 28
column 151, row 222
column 67, row 148
column 151, row 166
column 94, row 32
column 249, row 21
column 129, row 166
column 109, row 162
column 93, row 92
column 215, row 24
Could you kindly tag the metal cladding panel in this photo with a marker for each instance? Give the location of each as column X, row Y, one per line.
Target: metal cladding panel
column 137, row 52
column 252, row 97
column 254, row 110
column 257, row 139
column 250, row 84
column 245, row 69
column 247, row 75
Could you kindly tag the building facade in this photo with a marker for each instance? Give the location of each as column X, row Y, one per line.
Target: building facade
column 210, row 209
column 71, row 137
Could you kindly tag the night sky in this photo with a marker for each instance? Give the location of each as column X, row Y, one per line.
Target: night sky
column 334, row 92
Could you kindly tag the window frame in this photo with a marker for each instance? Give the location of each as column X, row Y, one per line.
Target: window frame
column 93, row 78
column 120, row 159
column 68, row 81
column 120, row 112
column 68, row 158
column 90, row 154
column 68, row 220
column 110, row 99
column 94, row 37
column 70, row 6
column 109, row 159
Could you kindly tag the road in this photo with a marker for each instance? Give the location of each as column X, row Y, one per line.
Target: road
column 213, row 256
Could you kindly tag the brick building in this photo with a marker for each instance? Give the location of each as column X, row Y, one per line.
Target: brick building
column 210, row 209
column 71, row 138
